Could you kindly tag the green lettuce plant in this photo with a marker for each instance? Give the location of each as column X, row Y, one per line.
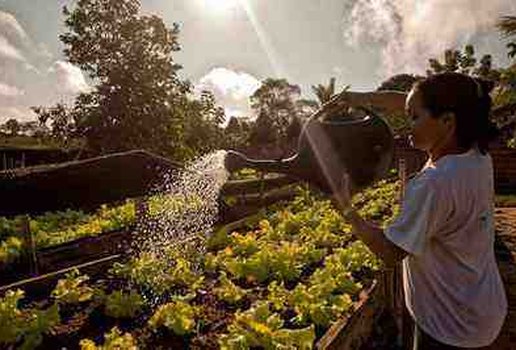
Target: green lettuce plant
column 120, row 304
column 258, row 327
column 114, row 340
column 228, row 291
column 73, row 289
column 177, row 316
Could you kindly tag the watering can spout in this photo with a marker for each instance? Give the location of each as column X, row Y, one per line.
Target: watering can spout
column 361, row 145
column 235, row 161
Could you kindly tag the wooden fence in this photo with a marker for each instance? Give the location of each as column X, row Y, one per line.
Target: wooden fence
column 504, row 165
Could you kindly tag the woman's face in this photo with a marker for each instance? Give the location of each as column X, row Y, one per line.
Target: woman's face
column 427, row 132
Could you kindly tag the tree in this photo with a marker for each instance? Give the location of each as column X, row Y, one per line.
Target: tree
column 60, row 121
column 275, row 104
column 130, row 57
column 202, row 131
column 464, row 62
column 454, row 61
column 34, row 129
column 507, row 26
column 306, row 107
column 263, row 131
column 12, row 126
column 324, row 93
column 505, row 92
column 399, row 82
column 138, row 100
column 485, row 69
column 237, row 133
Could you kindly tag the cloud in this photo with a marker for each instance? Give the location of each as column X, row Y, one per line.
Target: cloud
column 19, row 113
column 7, row 50
column 17, row 48
column 10, row 91
column 13, row 38
column 409, row 32
column 30, row 70
column 11, row 28
column 69, row 78
column 43, row 51
column 232, row 89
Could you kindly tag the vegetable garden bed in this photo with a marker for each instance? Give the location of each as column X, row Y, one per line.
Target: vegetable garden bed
column 65, row 238
column 282, row 283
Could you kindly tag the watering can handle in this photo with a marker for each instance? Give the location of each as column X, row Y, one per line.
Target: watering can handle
column 368, row 114
column 390, row 102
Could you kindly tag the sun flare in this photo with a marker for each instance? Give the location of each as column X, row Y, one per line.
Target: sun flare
column 220, row 6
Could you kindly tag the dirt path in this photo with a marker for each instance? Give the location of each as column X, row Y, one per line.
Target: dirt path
column 506, row 256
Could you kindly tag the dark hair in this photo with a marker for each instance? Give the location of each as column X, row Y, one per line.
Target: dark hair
column 468, row 98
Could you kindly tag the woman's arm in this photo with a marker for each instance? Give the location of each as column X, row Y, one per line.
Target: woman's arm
column 371, row 234
column 389, row 102
column 374, row 237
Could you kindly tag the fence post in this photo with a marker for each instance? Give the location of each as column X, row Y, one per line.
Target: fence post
column 30, row 243
column 397, row 272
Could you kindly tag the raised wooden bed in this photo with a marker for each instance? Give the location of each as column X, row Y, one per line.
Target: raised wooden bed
column 84, row 184
column 237, row 187
column 349, row 333
column 83, row 250
column 40, row 286
column 68, row 254
column 93, row 255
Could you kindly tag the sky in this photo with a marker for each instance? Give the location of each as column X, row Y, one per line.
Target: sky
column 229, row 46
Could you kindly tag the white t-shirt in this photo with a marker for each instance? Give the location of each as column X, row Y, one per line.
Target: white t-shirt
column 452, row 285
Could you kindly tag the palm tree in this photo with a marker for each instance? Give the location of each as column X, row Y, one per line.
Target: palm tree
column 324, row 93
column 507, row 25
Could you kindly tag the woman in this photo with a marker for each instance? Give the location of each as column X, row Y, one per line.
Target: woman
column 444, row 234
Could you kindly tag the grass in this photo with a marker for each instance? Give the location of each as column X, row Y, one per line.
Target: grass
column 24, row 142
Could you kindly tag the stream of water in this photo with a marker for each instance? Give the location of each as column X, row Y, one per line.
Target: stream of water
column 186, row 208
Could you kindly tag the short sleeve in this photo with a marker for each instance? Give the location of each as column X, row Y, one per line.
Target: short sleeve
column 418, row 219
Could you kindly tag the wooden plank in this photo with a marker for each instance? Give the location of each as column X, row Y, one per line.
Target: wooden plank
column 39, row 189
column 349, row 333
column 236, row 187
column 46, row 278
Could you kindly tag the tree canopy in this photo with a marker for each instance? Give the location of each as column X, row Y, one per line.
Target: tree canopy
column 137, row 99
column 323, row 92
column 464, row 62
column 275, row 104
column 399, row 82
column 507, row 26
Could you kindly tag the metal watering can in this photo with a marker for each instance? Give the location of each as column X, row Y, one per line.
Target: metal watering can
column 355, row 140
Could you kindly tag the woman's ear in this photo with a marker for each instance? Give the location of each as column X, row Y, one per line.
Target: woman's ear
column 448, row 119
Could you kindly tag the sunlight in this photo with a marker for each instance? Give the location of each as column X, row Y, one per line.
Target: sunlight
column 220, row 6
column 264, row 40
